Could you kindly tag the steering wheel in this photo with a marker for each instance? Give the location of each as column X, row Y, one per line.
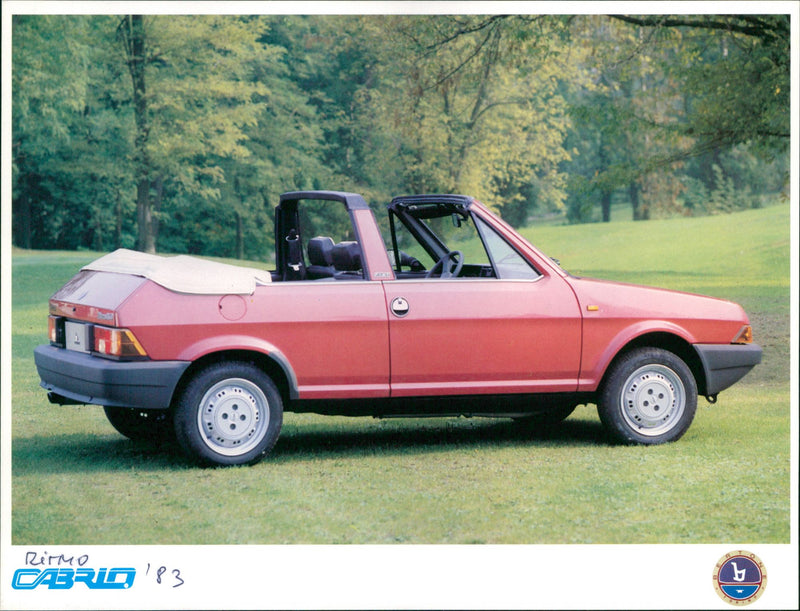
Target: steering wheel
column 448, row 270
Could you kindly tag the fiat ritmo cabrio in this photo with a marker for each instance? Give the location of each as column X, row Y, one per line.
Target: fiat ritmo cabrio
column 451, row 313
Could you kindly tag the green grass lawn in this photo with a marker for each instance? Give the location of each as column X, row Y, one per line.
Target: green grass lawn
column 440, row 481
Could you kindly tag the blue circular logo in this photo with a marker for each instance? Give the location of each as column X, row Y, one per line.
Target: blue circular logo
column 740, row 577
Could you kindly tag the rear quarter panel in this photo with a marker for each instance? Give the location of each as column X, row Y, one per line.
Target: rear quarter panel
column 334, row 335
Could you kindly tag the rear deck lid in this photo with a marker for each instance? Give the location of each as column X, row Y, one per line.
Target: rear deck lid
column 94, row 296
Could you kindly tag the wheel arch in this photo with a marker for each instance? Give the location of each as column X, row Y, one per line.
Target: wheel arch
column 666, row 341
column 274, row 364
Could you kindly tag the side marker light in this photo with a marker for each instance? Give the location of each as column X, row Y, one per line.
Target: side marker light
column 744, row 336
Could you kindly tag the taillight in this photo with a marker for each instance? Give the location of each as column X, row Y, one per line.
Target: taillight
column 119, row 343
column 55, row 330
column 745, row 336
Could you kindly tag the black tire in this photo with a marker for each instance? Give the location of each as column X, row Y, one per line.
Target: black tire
column 230, row 413
column 649, row 397
column 153, row 425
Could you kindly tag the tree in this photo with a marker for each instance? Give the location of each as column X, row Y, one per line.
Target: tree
column 68, row 138
column 735, row 72
column 179, row 133
column 193, row 99
column 671, row 91
column 745, row 96
column 132, row 32
column 481, row 110
column 625, row 122
column 196, row 119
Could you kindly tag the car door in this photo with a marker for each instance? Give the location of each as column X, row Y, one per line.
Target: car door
column 329, row 325
column 517, row 332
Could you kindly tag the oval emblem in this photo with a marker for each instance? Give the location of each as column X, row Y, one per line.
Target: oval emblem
column 399, row 307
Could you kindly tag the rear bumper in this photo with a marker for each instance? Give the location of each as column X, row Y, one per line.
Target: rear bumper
column 76, row 377
column 726, row 364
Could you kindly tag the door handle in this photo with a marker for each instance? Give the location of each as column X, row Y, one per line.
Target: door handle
column 399, row 307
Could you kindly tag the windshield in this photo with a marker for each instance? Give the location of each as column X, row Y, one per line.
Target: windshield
column 446, row 240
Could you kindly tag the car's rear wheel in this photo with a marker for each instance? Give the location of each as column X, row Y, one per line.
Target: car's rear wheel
column 141, row 424
column 649, row 397
column 230, row 413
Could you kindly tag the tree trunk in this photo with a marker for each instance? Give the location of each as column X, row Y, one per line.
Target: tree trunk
column 133, row 35
column 157, row 190
column 639, row 213
column 24, row 231
column 237, row 187
column 239, row 237
column 144, row 216
column 605, row 203
column 118, row 229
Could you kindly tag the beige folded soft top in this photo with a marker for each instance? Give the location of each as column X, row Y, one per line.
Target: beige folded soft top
column 184, row 274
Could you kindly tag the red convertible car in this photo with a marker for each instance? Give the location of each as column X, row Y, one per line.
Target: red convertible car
column 453, row 314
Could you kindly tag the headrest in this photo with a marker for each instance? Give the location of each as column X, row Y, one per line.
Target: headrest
column 319, row 251
column 347, row 256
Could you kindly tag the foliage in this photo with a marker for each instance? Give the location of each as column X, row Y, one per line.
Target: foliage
column 68, row 136
column 736, row 70
column 199, row 99
column 179, row 132
column 480, row 107
column 671, row 98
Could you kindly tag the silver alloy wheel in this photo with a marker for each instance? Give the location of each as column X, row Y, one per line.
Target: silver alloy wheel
column 653, row 400
column 233, row 416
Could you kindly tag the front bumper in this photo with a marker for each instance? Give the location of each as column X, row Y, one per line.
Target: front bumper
column 77, row 377
column 726, row 364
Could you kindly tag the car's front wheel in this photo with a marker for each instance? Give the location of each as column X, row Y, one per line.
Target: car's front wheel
column 230, row 413
column 649, row 397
